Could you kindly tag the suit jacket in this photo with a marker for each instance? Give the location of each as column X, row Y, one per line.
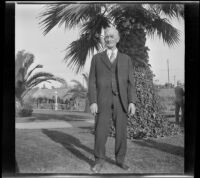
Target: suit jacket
column 100, row 90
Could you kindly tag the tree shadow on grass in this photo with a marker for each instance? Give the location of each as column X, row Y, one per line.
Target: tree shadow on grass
column 165, row 147
column 70, row 143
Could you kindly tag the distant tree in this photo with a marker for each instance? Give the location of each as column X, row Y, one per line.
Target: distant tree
column 25, row 78
column 79, row 90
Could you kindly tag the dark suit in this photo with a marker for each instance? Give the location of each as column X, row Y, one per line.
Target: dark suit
column 110, row 105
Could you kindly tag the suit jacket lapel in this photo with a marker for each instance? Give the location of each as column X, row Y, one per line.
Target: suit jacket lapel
column 119, row 61
column 105, row 59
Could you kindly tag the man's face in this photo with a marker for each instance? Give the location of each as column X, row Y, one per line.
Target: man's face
column 111, row 38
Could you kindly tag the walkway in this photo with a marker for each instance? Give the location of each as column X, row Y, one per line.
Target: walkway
column 47, row 125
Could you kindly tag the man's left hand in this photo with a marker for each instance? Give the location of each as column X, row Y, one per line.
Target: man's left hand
column 131, row 109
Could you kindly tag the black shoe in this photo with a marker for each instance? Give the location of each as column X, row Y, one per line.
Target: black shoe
column 97, row 167
column 123, row 166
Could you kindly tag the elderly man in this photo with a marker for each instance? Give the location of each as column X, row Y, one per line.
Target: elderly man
column 112, row 95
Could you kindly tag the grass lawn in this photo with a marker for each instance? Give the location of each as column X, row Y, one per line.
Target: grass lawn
column 70, row 150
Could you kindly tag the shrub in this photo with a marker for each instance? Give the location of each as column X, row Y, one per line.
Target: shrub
column 26, row 110
column 148, row 120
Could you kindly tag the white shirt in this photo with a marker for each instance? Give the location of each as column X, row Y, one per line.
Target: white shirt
column 109, row 52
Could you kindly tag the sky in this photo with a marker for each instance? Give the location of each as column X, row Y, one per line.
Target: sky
column 49, row 50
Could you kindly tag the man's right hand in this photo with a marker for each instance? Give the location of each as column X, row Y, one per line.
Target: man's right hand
column 94, row 108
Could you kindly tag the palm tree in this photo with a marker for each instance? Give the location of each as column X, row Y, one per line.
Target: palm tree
column 79, row 90
column 94, row 17
column 25, row 79
column 135, row 22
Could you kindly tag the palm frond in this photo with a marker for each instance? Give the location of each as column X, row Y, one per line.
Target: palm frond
column 155, row 25
column 78, row 90
column 39, row 75
column 74, row 14
column 77, row 83
column 28, row 62
column 78, row 86
column 78, row 51
column 45, row 77
column 30, row 72
column 164, row 30
column 70, row 14
column 95, row 25
column 171, row 10
column 38, row 81
column 90, row 40
column 50, row 17
column 61, row 80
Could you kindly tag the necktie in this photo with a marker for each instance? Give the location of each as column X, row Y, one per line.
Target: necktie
column 112, row 57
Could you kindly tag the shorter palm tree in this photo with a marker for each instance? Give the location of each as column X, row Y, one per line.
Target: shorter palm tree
column 25, row 80
column 81, row 91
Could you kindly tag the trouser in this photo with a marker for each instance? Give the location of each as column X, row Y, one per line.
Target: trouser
column 179, row 105
column 102, row 128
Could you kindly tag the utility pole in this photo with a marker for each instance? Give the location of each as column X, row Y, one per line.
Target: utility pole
column 174, row 80
column 168, row 69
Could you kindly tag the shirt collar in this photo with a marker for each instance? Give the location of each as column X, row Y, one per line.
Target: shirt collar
column 109, row 52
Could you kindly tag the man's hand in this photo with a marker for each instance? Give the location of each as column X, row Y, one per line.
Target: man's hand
column 131, row 109
column 94, row 108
